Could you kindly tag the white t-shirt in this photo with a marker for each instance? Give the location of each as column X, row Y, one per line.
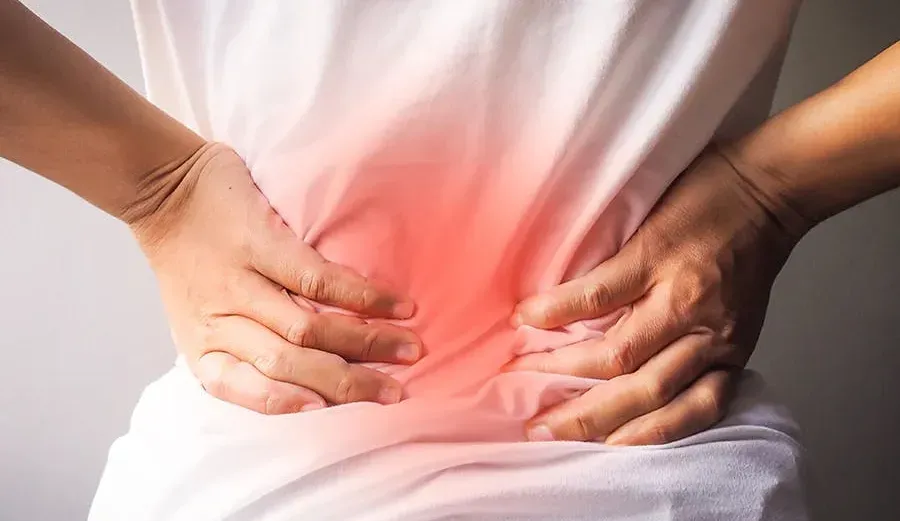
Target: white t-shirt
column 470, row 153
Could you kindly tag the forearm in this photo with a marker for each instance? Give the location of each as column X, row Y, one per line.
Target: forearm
column 66, row 117
column 831, row 151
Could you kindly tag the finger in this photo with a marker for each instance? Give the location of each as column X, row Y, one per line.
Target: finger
column 324, row 373
column 622, row 350
column 607, row 406
column 697, row 408
column 349, row 337
column 652, row 325
column 232, row 380
column 616, row 282
column 291, row 263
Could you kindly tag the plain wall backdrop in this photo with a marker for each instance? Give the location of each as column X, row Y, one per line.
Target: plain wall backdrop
column 82, row 330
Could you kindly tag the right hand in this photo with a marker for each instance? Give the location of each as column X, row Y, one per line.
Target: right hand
column 231, row 273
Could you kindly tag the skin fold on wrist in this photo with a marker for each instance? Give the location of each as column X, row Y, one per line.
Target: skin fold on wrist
column 163, row 192
column 768, row 189
column 829, row 152
column 72, row 121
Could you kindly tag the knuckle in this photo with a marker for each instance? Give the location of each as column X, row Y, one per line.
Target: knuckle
column 274, row 402
column 646, row 248
column 350, row 288
column 658, row 392
column 312, row 284
column 585, row 428
column 216, row 385
column 370, row 341
column 709, row 350
column 660, row 434
column 346, row 387
column 207, row 332
column 301, row 332
column 273, row 363
column 369, row 297
column 206, row 318
column 622, row 357
column 693, row 283
column 681, row 303
column 727, row 329
column 597, row 297
column 680, row 315
column 711, row 399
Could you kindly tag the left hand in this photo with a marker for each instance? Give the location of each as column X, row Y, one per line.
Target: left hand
column 697, row 276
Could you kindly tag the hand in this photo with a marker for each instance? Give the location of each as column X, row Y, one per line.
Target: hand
column 695, row 280
column 230, row 272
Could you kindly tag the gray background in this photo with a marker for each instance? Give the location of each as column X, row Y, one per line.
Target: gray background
column 76, row 354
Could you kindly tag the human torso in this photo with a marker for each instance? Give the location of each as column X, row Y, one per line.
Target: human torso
column 469, row 153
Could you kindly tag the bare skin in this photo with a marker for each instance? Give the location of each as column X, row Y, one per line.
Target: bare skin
column 229, row 269
column 698, row 273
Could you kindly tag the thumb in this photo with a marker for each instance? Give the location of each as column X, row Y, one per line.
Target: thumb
column 616, row 282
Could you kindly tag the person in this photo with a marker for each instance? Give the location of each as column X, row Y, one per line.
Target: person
column 398, row 241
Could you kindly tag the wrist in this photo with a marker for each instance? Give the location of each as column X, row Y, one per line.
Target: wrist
column 163, row 192
column 829, row 152
column 769, row 188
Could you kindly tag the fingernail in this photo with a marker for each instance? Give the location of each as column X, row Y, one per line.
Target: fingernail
column 389, row 394
column 403, row 309
column 540, row 433
column 312, row 406
column 408, row 352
